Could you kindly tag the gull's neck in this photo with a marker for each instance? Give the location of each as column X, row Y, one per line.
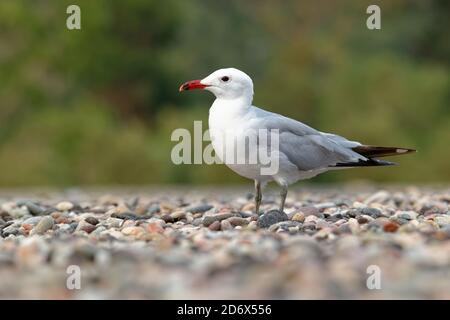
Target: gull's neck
column 228, row 111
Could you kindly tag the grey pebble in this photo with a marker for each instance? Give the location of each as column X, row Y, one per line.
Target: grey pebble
column 372, row 212
column 271, row 217
column 12, row 229
column 32, row 220
column 200, row 209
column 208, row 220
column 32, row 207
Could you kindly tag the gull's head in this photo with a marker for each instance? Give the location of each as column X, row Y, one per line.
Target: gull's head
column 229, row 83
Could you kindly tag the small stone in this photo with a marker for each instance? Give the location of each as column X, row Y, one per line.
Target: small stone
column 271, row 217
column 207, row 220
column 32, row 220
column 85, row 226
column 154, row 227
column 406, row 215
column 253, row 225
column 44, row 224
column 64, row 206
column 299, row 216
column 168, row 218
column 225, row 225
column 200, row 209
column 442, row 220
column 372, row 212
column 390, row 226
column 113, row 223
column 132, row 231
column 178, row 215
column 92, row 220
column 215, row 226
column 32, row 207
column 13, row 229
column 237, row 221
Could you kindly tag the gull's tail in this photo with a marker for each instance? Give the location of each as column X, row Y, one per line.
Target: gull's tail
column 373, row 152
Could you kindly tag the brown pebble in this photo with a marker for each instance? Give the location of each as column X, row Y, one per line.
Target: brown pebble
column 215, row 226
column 237, row 221
column 390, row 227
column 91, row 220
column 299, row 216
column 168, row 218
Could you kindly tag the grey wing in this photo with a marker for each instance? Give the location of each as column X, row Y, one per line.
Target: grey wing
column 308, row 148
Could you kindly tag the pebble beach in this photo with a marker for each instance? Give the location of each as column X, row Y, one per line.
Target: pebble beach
column 208, row 243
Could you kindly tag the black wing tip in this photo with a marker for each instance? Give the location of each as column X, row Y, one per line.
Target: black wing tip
column 366, row 163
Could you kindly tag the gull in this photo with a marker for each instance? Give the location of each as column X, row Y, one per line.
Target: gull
column 303, row 152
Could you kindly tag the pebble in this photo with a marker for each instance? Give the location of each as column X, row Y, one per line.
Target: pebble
column 442, row 220
column 32, row 207
column 32, row 220
column 225, row 225
column 208, row 220
column 133, row 231
column 237, row 221
column 85, row 226
column 64, row 206
column 178, row 215
column 200, row 209
column 372, row 212
column 390, row 226
column 215, row 226
column 271, row 217
column 92, row 220
column 299, row 216
column 46, row 223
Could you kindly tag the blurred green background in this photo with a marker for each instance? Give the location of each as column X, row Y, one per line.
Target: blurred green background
column 98, row 105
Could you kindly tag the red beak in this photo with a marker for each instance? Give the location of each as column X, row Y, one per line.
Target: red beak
column 190, row 85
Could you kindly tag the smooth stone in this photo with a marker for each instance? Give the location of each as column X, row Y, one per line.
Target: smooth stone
column 32, row 207
column 132, row 231
column 92, row 220
column 44, row 224
column 13, row 229
column 271, row 217
column 32, row 220
column 237, row 221
column 85, row 226
column 372, row 212
column 178, row 215
column 299, row 216
column 208, row 220
column 64, row 206
column 168, row 218
column 225, row 225
column 442, row 220
column 200, row 209
column 215, row 226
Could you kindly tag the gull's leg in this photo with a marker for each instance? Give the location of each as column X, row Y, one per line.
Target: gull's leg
column 258, row 196
column 283, row 194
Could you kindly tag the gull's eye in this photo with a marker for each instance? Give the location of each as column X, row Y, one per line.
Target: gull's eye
column 225, row 79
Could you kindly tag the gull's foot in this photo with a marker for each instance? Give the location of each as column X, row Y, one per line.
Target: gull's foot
column 271, row 217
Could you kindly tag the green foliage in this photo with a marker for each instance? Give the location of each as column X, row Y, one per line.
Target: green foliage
column 98, row 105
